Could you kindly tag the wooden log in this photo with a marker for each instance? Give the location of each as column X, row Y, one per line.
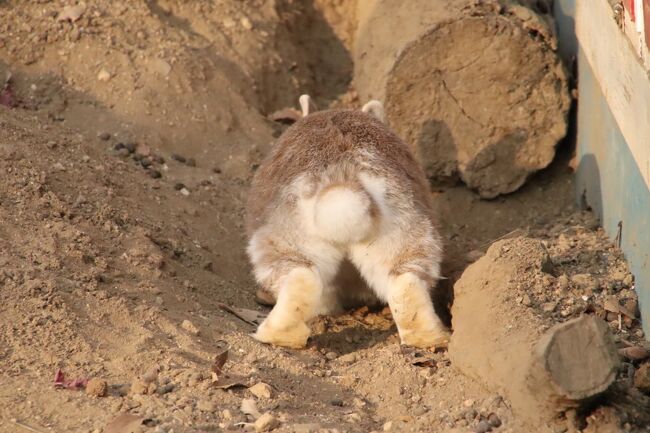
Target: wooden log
column 475, row 87
column 515, row 349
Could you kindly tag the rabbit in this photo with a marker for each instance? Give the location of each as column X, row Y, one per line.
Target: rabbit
column 340, row 187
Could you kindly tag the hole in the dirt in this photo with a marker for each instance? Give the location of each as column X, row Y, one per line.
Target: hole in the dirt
column 443, row 298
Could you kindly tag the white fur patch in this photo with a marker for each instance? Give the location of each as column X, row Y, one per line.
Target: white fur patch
column 374, row 108
column 342, row 215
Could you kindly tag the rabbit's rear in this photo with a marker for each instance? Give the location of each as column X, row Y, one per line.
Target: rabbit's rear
column 339, row 185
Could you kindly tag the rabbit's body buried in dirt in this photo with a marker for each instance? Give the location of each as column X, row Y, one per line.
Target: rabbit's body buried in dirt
column 338, row 187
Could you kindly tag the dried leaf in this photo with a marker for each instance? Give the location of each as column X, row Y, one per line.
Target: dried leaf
column 125, row 423
column 611, row 304
column 634, row 353
column 60, row 382
column 286, row 116
column 228, row 381
column 424, row 362
column 251, row 317
column 219, row 362
column 7, row 97
column 626, row 312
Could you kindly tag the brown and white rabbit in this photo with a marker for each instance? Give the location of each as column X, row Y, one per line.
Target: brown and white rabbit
column 341, row 186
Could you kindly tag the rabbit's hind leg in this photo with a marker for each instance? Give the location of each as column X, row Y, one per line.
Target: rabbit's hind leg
column 299, row 297
column 403, row 279
column 298, row 273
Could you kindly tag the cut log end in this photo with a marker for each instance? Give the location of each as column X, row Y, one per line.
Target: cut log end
column 482, row 96
column 578, row 358
column 478, row 92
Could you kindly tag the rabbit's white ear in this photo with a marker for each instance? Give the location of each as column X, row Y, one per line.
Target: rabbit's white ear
column 374, row 108
column 306, row 105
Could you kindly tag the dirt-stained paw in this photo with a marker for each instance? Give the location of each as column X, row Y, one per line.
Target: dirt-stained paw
column 438, row 339
column 294, row 336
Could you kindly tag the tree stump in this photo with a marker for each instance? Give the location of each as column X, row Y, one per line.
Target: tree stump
column 475, row 87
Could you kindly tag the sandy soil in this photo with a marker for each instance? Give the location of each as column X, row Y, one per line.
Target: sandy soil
column 127, row 141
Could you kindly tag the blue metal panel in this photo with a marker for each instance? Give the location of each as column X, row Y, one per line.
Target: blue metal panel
column 610, row 180
column 564, row 11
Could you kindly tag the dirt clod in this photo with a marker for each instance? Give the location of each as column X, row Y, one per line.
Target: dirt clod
column 97, row 387
column 642, row 378
column 189, row 327
column 140, row 387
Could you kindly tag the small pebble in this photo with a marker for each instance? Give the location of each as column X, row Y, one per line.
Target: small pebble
column 151, row 375
column 179, row 158
column 336, row 402
column 206, row 406
column 154, row 174
column 246, row 23
column 348, row 358
column 145, row 162
column 179, row 186
column 388, row 426
column 470, row 415
column 549, row 307
column 130, row 147
column 353, row 417
column 139, row 387
column 119, row 146
column 165, row 389
column 419, row 411
column 261, row 390
column 191, row 162
column 483, row 427
column 494, row 420
column 331, row 356
column 185, row 192
column 104, row 135
column 189, row 327
column 103, row 75
column 562, row 282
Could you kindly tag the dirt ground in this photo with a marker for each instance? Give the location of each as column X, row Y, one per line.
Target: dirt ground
column 128, row 138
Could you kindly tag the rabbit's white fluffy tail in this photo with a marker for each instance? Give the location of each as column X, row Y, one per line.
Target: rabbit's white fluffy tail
column 345, row 213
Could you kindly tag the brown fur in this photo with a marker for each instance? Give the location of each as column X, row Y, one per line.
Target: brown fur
column 324, row 139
